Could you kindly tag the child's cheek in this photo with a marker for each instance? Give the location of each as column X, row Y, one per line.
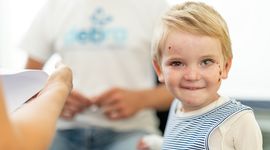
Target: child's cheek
column 220, row 73
column 214, row 73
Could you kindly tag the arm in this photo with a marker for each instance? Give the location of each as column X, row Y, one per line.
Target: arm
column 6, row 129
column 158, row 98
column 76, row 102
column 33, row 125
column 33, row 64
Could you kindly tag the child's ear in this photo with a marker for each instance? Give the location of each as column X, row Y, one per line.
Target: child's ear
column 226, row 68
column 158, row 71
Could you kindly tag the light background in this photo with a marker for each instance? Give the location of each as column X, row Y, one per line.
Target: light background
column 249, row 25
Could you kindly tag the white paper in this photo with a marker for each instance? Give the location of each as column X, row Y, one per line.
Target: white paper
column 20, row 86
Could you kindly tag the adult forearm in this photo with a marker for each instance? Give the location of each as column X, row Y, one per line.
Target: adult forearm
column 37, row 118
column 6, row 129
column 158, row 98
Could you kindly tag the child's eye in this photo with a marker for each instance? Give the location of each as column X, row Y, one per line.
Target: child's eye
column 176, row 63
column 207, row 62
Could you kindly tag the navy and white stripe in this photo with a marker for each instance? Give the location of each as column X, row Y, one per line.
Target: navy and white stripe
column 192, row 133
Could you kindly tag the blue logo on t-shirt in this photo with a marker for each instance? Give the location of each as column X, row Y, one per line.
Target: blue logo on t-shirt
column 98, row 32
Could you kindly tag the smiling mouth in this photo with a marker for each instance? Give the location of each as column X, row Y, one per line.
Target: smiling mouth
column 192, row 88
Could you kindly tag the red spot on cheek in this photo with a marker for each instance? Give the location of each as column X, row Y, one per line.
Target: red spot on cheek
column 220, row 73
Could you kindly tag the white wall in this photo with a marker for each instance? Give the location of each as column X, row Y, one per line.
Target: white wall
column 15, row 19
column 249, row 25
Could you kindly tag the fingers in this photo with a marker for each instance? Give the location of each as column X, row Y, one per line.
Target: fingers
column 114, row 103
column 75, row 104
column 109, row 97
column 81, row 99
column 114, row 111
column 110, row 103
column 60, row 83
column 118, row 103
column 71, row 108
column 61, row 75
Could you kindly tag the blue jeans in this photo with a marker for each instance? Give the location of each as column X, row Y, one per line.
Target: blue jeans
column 95, row 139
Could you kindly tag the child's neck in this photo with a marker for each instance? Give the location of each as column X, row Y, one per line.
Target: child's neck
column 204, row 109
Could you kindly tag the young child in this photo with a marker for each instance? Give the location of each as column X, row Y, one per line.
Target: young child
column 192, row 55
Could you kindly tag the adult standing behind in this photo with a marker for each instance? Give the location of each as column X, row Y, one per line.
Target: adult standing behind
column 107, row 46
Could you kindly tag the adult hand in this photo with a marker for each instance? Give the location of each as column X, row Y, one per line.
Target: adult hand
column 62, row 76
column 60, row 79
column 119, row 103
column 76, row 103
column 32, row 126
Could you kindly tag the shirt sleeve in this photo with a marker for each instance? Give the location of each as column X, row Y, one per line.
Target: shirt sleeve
column 38, row 40
column 246, row 132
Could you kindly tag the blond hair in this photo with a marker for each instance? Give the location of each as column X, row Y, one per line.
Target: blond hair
column 192, row 17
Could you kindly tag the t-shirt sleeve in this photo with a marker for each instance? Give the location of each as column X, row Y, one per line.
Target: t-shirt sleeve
column 247, row 133
column 38, row 40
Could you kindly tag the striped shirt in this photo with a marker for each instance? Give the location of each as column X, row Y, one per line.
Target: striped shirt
column 192, row 133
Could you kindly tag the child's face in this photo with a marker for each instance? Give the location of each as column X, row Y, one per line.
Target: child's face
column 192, row 68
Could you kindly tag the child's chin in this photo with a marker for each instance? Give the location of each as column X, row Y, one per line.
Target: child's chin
column 191, row 101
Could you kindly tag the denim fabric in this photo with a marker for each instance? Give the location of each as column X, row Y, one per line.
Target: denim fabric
column 95, row 139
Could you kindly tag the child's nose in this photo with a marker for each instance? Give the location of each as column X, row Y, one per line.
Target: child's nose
column 192, row 74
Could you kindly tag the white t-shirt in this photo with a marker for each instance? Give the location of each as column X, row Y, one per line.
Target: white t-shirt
column 106, row 44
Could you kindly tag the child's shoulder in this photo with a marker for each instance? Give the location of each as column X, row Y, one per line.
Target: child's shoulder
column 238, row 120
column 232, row 104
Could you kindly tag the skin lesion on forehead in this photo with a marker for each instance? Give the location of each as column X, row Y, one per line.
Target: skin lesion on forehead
column 170, row 49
